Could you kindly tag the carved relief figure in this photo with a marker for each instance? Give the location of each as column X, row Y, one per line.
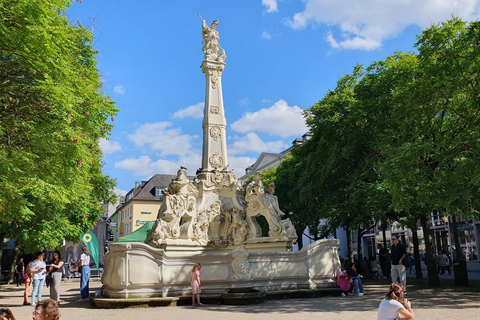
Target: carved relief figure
column 179, row 206
column 216, row 161
column 240, row 264
column 260, row 203
column 215, row 132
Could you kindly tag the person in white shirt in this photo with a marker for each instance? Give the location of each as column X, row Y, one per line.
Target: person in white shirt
column 391, row 305
column 38, row 271
column 85, row 274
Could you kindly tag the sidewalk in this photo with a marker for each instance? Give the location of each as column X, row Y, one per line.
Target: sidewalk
column 446, row 303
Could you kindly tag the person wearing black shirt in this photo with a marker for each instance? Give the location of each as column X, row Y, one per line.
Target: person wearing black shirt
column 399, row 253
column 20, row 271
column 356, row 279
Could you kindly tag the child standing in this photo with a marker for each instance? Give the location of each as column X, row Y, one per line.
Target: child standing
column 195, row 282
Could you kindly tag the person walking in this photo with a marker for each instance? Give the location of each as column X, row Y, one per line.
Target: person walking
column 444, row 263
column 391, row 305
column 84, row 275
column 195, row 282
column 20, row 271
column 38, row 271
column 399, row 253
column 383, row 259
column 411, row 263
column 27, row 280
column 56, row 268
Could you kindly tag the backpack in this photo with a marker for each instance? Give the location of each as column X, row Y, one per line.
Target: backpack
column 446, row 260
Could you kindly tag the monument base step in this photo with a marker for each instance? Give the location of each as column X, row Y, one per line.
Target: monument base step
column 113, row 303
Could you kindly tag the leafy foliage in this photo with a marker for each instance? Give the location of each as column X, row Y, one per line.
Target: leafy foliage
column 52, row 116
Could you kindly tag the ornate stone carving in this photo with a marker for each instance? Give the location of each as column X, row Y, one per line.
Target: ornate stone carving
column 216, row 161
column 261, row 203
column 214, row 76
column 214, row 110
column 240, row 264
column 215, row 132
column 178, row 208
column 211, row 46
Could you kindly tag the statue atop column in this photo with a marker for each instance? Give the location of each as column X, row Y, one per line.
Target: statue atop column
column 211, row 47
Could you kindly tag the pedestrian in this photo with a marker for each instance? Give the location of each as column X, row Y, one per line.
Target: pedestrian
column 399, row 253
column 343, row 281
column 46, row 310
column 27, row 280
column 195, row 282
column 444, row 263
column 38, row 271
column 56, row 269
column 391, row 305
column 438, row 261
column 355, row 278
column 6, row 314
column 20, row 271
column 411, row 263
column 383, row 259
column 84, row 274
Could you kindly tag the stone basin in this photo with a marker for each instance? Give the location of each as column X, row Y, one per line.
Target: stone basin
column 238, row 296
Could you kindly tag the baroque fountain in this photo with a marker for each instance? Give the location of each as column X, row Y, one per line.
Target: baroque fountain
column 212, row 220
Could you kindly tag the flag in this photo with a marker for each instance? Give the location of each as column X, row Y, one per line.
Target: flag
column 90, row 241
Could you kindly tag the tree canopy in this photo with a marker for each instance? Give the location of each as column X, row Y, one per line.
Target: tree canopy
column 396, row 140
column 53, row 113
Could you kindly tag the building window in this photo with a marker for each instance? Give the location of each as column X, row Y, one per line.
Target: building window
column 159, row 191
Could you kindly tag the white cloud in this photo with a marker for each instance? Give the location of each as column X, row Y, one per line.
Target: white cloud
column 266, row 101
column 239, row 164
column 108, row 146
column 159, row 138
column 120, row 192
column 278, row 120
column 271, row 5
column 193, row 111
column 266, row 35
column 366, row 24
column 119, row 89
column 244, row 101
column 252, row 142
column 145, row 167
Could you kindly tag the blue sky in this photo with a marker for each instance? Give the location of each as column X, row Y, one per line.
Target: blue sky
column 282, row 57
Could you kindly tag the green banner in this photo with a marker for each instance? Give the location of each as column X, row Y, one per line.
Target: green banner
column 90, row 241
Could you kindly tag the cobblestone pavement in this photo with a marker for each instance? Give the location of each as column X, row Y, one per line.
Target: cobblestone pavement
column 445, row 303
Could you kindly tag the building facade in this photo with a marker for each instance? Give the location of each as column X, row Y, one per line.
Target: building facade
column 140, row 205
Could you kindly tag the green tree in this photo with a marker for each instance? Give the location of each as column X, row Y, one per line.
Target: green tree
column 52, row 117
column 341, row 160
column 432, row 163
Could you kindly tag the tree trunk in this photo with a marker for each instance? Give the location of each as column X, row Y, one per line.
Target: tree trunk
column 359, row 245
column 300, row 239
column 2, row 237
column 416, row 255
column 384, row 237
column 12, row 267
column 433, row 280
column 460, row 272
column 350, row 251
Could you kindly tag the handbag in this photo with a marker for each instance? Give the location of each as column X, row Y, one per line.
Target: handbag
column 48, row 280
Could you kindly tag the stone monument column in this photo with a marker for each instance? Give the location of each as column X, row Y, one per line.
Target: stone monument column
column 214, row 155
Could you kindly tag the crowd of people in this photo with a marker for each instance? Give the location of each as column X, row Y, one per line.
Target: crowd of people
column 392, row 264
column 36, row 274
